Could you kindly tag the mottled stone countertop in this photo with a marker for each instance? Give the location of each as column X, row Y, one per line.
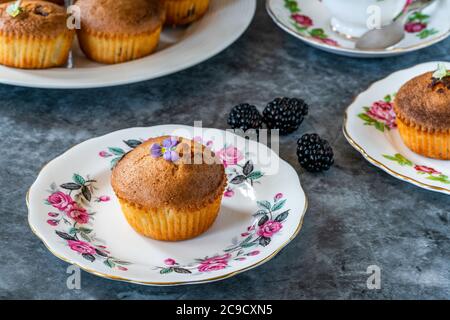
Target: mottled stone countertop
column 358, row 215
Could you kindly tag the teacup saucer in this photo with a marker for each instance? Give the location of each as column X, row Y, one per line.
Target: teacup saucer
column 309, row 21
column 371, row 129
column 73, row 210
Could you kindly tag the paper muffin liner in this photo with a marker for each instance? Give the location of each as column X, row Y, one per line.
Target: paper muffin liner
column 111, row 49
column 429, row 143
column 31, row 52
column 180, row 12
column 169, row 224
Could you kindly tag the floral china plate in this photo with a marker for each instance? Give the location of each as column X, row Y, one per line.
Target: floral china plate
column 309, row 21
column 73, row 210
column 370, row 127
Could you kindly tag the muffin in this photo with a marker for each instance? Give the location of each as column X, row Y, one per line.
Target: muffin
column 165, row 194
column 422, row 107
column 181, row 12
column 34, row 35
column 114, row 31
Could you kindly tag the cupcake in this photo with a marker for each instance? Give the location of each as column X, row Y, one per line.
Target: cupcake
column 114, row 31
column 169, row 188
column 181, row 12
column 422, row 107
column 34, row 35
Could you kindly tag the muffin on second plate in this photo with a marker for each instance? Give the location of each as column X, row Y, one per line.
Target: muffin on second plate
column 164, row 193
column 181, row 12
column 114, row 31
column 34, row 35
column 422, row 107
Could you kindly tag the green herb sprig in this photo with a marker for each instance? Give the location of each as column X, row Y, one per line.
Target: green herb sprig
column 14, row 9
column 441, row 72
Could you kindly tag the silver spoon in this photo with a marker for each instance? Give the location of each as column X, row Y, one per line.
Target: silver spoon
column 392, row 33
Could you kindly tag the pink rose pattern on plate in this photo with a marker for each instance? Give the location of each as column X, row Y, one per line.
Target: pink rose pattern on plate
column 380, row 114
column 70, row 201
column 305, row 25
column 81, row 247
column 239, row 176
column 425, row 169
column 60, row 200
column 430, row 173
column 103, row 199
column 77, row 213
column 269, row 219
column 418, row 23
column 302, row 20
column 229, row 156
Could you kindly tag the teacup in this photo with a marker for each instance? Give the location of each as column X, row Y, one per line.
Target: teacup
column 352, row 18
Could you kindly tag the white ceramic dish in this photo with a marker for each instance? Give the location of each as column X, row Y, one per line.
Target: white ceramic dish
column 309, row 21
column 370, row 128
column 179, row 49
column 104, row 244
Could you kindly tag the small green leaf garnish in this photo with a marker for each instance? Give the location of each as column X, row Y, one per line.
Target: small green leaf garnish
column 14, row 9
column 441, row 72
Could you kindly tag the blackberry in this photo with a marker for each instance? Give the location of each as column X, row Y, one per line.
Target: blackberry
column 285, row 114
column 245, row 116
column 314, row 153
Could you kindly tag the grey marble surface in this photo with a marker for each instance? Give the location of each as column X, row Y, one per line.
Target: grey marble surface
column 358, row 215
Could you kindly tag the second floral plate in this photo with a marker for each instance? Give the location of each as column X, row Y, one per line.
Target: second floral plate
column 309, row 21
column 370, row 127
column 73, row 210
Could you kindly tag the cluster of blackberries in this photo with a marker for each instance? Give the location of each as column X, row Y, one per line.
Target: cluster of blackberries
column 283, row 114
column 286, row 115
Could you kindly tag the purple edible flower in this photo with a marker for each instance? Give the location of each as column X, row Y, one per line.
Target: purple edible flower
column 156, row 150
column 166, row 150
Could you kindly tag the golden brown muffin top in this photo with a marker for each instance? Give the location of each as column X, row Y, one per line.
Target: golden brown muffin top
column 425, row 103
column 147, row 181
column 121, row 16
column 37, row 18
